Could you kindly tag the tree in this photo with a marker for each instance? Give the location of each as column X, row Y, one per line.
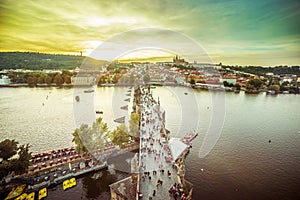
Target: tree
column 108, row 79
column 100, row 132
column 30, row 81
column 120, row 136
column 90, row 138
column 58, row 80
column 226, row 84
column 134, row 124
column 250, row 87
column 257, row 83
column 116, row 78
column 80, row 136
column 8, row 148
column 274, row 87
column 192, row 81
column 101, row 80
column 48, row 80
column 238, row 86
column 67, row 79
column 41, row 80
column 21, row 164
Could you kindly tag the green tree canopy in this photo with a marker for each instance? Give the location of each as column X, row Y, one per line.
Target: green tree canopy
column 90, row 138
column 48, row 80
column 67, row 79
column 134, row 124
column 237, row 86
column 256, row 83
column 8, row 148
column 22, row 163
column 274, row 87
column 120, row 136
column 58, row 80
column 80, row 147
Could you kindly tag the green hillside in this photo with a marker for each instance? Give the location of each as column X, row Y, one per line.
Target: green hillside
column 36, row 61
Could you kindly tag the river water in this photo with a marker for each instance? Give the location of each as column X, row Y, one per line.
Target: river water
column 256, row 156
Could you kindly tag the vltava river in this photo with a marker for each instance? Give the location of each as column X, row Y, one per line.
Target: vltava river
column 243, row 164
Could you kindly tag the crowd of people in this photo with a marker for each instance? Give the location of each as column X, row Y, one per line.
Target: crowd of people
column 156, row 172
column 176, row 190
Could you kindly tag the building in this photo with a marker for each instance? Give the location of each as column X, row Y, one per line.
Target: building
column 4, row 80
column 124, row 189
column 229, row 79
column 179, row 61
column 83, row 80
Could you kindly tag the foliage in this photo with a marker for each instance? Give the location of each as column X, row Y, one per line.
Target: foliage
column 258, row 70
column 58, row 80
column 120, row 136
column 8, row 148
column 134, row 124
column 192, row 81
column 274, row 87
column 21, row 164
column 67, row 79
column 5, row 168
column 80, row 148
column 226, row 84
column 34, row 78
column 90, row 138
column 238, row 86
column 254, row 83
column 30, row 60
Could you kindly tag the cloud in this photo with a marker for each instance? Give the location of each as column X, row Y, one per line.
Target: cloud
column 221, row 27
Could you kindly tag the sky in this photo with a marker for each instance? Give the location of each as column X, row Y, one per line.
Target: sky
column 234, row 32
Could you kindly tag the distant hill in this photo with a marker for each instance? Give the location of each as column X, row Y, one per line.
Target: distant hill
column 35, row 61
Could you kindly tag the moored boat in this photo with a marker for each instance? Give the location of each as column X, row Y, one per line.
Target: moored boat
column 89, row 91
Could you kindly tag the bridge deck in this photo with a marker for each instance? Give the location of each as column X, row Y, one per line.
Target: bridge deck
column 155, row 162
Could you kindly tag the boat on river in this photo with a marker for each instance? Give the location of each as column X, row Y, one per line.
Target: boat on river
column 89, row 91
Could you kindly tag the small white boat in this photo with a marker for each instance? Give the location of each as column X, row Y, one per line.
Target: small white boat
column 89, row 91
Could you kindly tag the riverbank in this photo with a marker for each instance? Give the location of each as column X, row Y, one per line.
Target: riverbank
column 204, row 87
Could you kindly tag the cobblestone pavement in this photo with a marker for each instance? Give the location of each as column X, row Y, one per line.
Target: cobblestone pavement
column 156, row 174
